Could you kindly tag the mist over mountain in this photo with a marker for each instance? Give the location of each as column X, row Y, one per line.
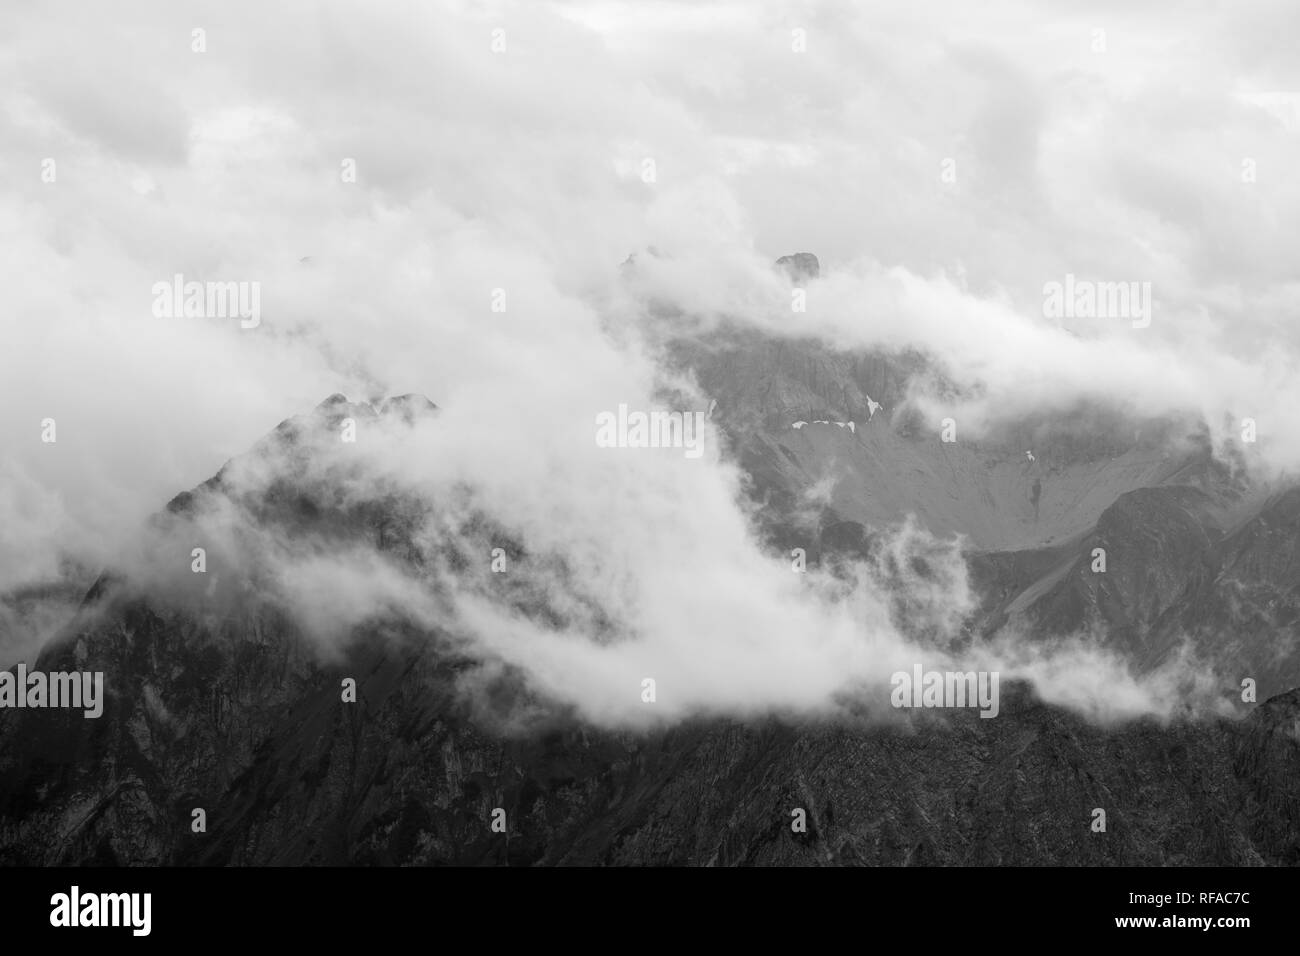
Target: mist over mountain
column 499, row 663
column 615, row 417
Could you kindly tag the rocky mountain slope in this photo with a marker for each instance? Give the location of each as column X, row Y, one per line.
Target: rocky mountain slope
column 242, row 721
column 225, row 704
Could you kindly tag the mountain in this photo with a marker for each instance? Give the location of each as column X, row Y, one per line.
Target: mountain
column 240, row 720
column 222, row 701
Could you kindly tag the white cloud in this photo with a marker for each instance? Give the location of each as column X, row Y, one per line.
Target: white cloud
column 480, row 171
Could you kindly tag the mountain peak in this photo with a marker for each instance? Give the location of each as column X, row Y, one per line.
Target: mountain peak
column 408, row 406
column 801, row 265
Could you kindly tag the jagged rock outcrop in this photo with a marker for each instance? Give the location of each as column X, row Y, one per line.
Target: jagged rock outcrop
column 801, row 265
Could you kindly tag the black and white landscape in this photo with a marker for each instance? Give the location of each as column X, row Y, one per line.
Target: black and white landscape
column 649, row 433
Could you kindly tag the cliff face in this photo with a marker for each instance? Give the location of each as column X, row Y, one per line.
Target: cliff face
column 1195, row 558
column 225, row 705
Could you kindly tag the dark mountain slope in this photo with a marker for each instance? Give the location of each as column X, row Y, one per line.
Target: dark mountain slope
column 228, row 707
column 253, row 730
column 218, row 700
